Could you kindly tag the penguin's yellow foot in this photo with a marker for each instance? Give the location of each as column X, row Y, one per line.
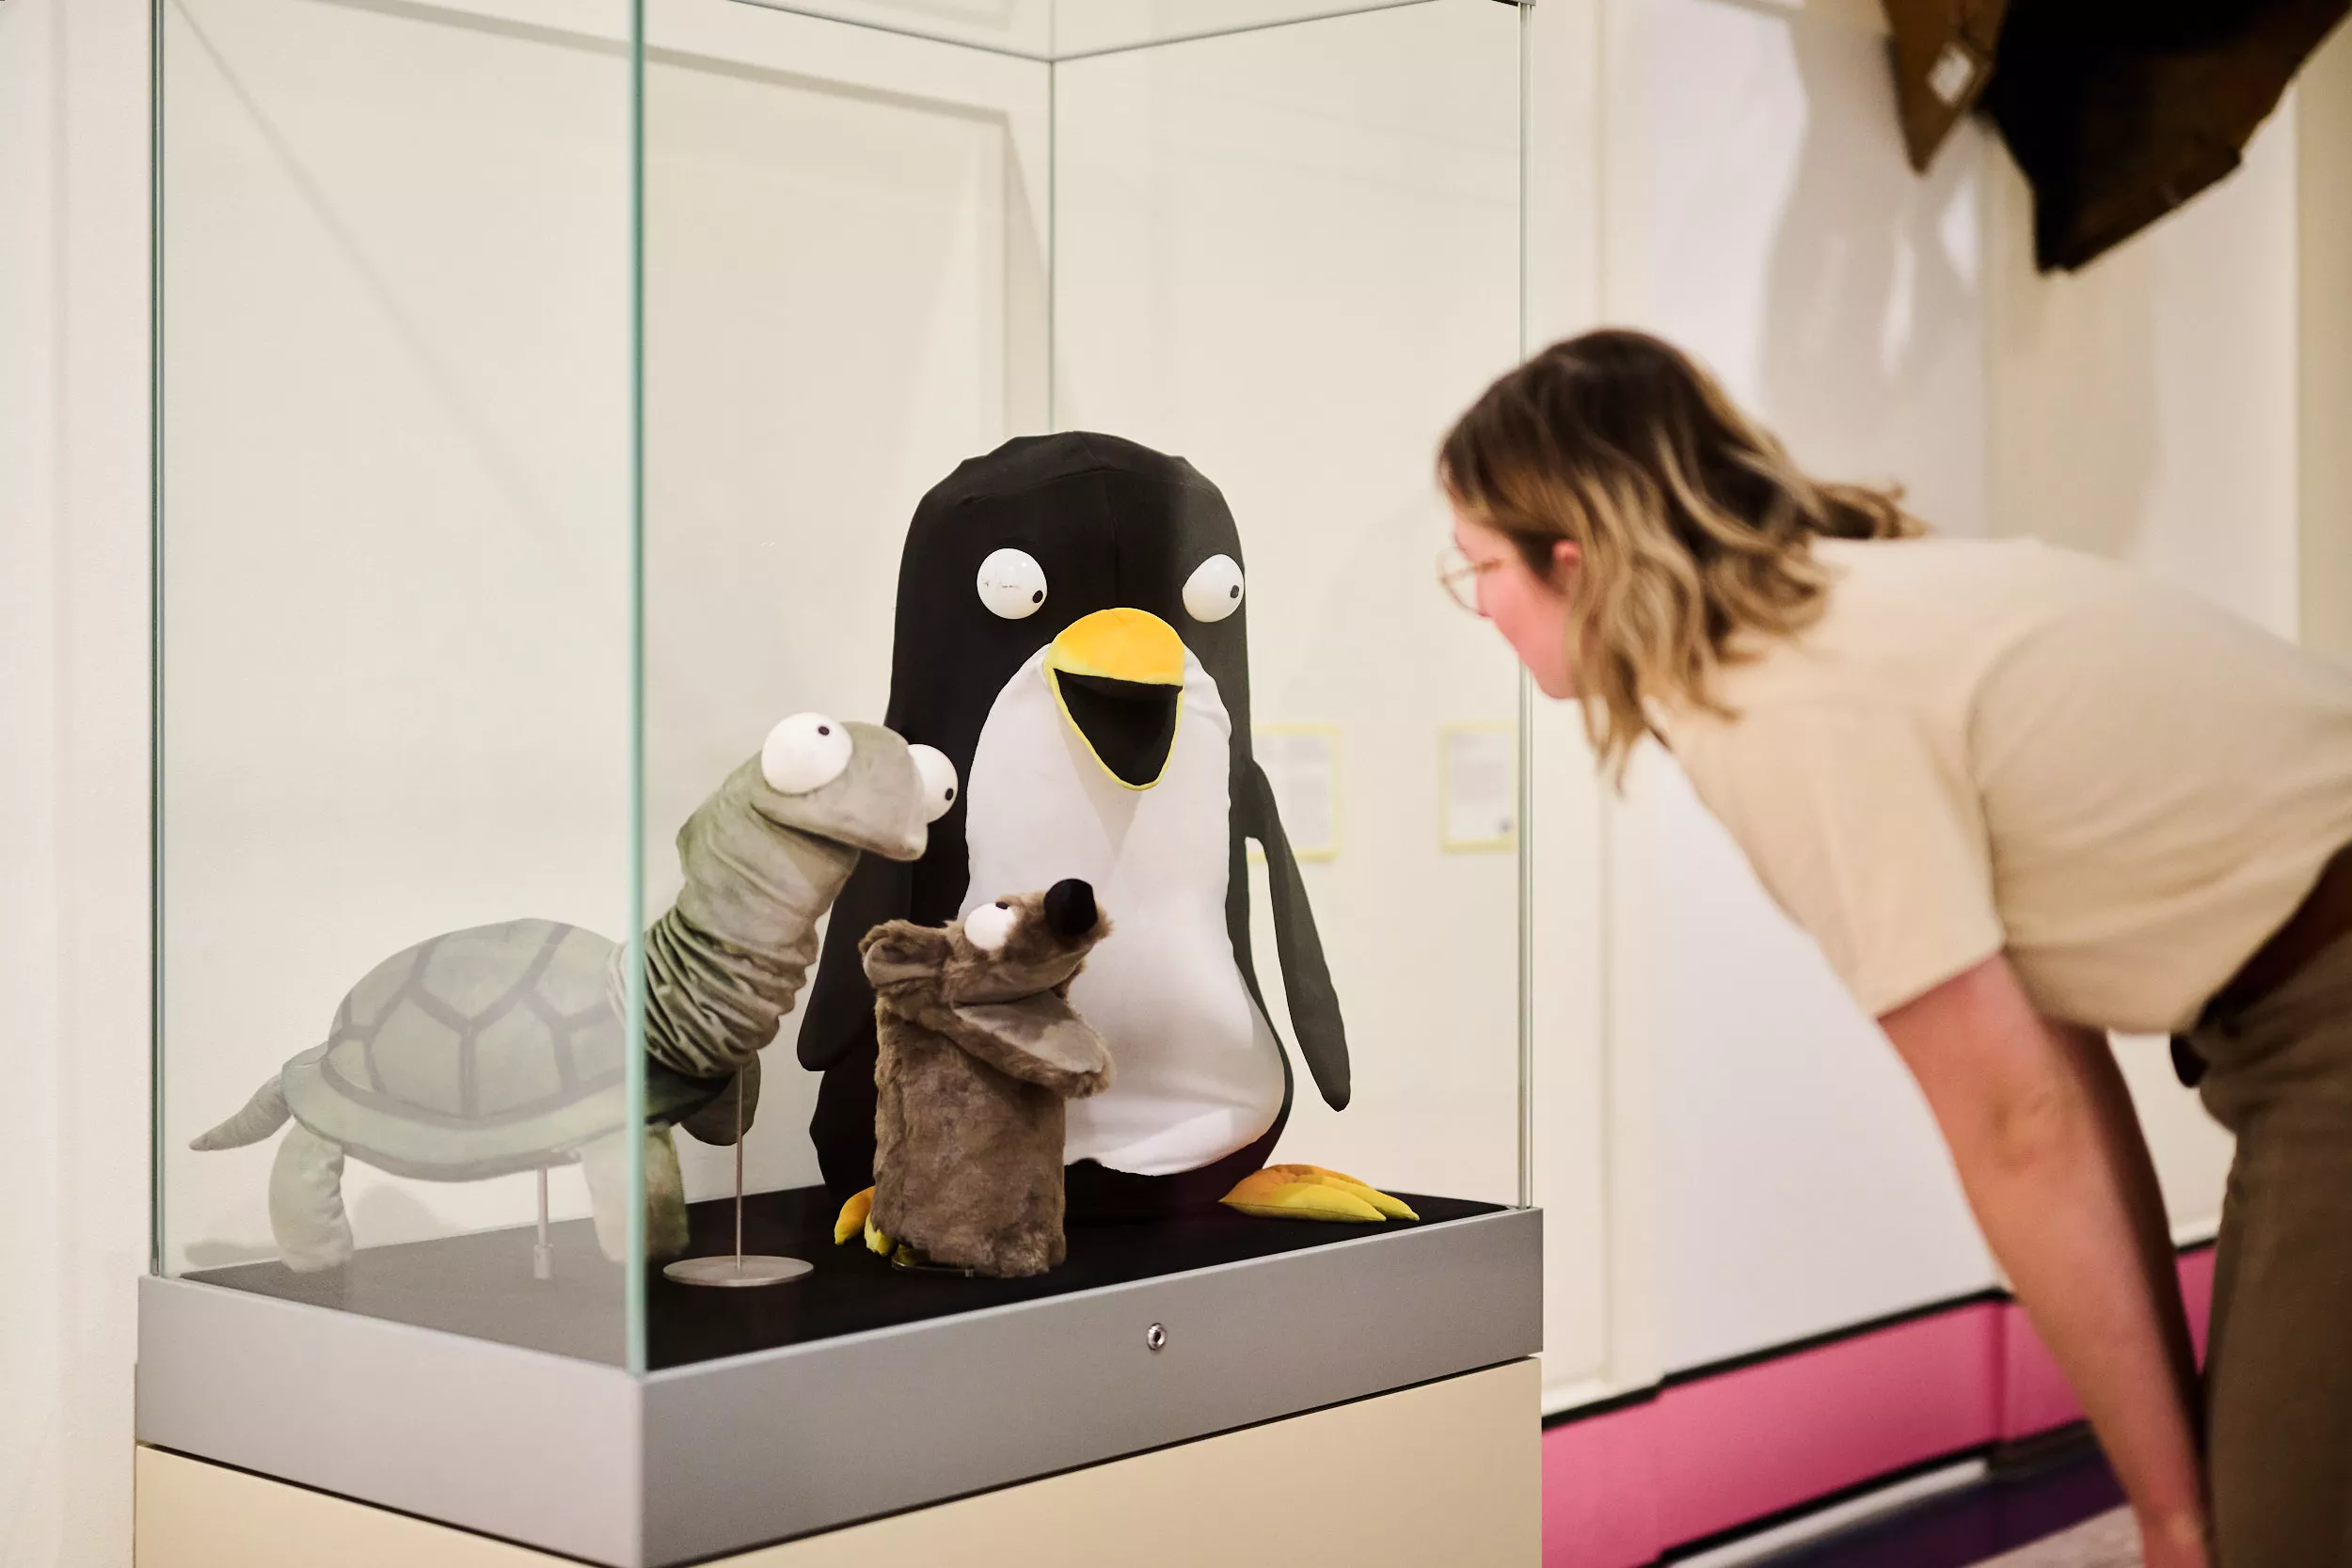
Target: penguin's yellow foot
column 856, row 1219
column 1312, row 1193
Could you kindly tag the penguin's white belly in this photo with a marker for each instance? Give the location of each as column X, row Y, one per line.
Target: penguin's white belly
column 1196, row 1073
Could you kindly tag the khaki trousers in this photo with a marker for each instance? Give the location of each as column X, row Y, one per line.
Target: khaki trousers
column 2279, row 1371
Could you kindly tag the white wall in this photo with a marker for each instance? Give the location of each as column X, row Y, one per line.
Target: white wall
column 2146, row 409
column 73, row 770
column 1771, row 1171
column 1596, row 1266
column 1719, row 168
column 1759, row 213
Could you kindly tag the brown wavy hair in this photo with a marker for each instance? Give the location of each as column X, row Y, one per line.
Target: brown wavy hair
column 1695, row 529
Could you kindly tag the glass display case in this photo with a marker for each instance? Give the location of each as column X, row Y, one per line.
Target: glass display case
column 583, row 427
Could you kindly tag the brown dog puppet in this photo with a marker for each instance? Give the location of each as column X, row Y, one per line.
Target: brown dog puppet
column 979, row 1047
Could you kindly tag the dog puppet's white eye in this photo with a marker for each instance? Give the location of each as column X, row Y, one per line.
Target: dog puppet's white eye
column 1011, row 584
column 939, row 780
column 806, row 751
column 1213, row 589
column 990, row 927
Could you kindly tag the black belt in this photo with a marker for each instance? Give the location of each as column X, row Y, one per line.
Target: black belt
column 2323, row 916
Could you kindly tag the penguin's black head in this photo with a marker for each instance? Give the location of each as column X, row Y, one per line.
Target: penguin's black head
column 1120, row 561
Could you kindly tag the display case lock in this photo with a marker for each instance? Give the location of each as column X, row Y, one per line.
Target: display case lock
column 1156, row 1337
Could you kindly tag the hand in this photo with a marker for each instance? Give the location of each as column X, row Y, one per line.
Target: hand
column 2177, row 1542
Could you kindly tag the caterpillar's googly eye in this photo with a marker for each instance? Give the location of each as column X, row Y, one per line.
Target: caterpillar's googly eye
column 939, row 781
column 805, row 752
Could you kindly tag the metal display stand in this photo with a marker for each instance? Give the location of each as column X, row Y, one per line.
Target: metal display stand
column 736, row 1271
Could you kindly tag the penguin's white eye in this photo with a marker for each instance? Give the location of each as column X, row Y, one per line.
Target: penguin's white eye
column 1013, row 584
column 806, row 751
column 939, row 780
column 989, row 927
column 1213, row 589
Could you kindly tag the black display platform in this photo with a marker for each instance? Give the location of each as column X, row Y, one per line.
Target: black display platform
column 482, row 1285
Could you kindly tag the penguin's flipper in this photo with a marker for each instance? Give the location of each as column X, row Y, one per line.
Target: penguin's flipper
column 1312, row 1193
column 1314, row 1005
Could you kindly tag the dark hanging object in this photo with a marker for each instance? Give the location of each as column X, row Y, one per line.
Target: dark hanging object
column 1943, row 58
column 2118, row 111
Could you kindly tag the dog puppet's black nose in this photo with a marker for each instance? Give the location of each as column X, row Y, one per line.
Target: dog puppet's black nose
column 1070, row 908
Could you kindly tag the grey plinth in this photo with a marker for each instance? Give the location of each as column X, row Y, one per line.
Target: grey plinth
column 689, row 1462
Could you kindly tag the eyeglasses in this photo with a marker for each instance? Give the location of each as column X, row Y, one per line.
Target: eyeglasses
column 1458, row 575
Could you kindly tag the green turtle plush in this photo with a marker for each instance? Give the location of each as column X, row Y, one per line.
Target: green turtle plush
column 502, row 1048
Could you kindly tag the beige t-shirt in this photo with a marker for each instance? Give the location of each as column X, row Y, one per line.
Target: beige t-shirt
column 1997, row 744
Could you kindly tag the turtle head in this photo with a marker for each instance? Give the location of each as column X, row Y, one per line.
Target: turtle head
column 857, row 785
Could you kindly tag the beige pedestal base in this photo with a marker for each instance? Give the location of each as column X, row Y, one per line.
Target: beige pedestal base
column 1448, row 1472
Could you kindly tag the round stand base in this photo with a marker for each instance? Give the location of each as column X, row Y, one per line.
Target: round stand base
column 729, row 1270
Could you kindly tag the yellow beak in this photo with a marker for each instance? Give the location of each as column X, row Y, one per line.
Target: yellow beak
column 1117, row 675
column 1120, row 645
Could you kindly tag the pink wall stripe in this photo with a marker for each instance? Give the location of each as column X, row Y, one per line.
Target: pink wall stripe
column 1600, row 1492
column 1621, row 1488
column 1751, row 1442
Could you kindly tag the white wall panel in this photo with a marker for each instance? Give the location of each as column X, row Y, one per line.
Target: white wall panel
column 1761, row 216
column 2146, row 409
column 74, row 908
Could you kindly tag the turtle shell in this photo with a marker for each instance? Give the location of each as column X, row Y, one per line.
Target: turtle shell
column 497, row 1049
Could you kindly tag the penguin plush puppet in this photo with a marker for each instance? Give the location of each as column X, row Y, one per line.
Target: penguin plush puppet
column 1072, row 633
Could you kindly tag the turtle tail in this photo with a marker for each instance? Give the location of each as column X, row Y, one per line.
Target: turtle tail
column 264, row 1114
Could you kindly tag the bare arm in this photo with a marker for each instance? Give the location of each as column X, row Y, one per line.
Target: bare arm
column 2051, row 1156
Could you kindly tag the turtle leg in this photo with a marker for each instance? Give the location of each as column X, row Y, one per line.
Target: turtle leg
column 306, row 1202
column 665, row 1197
column 605, row 1163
